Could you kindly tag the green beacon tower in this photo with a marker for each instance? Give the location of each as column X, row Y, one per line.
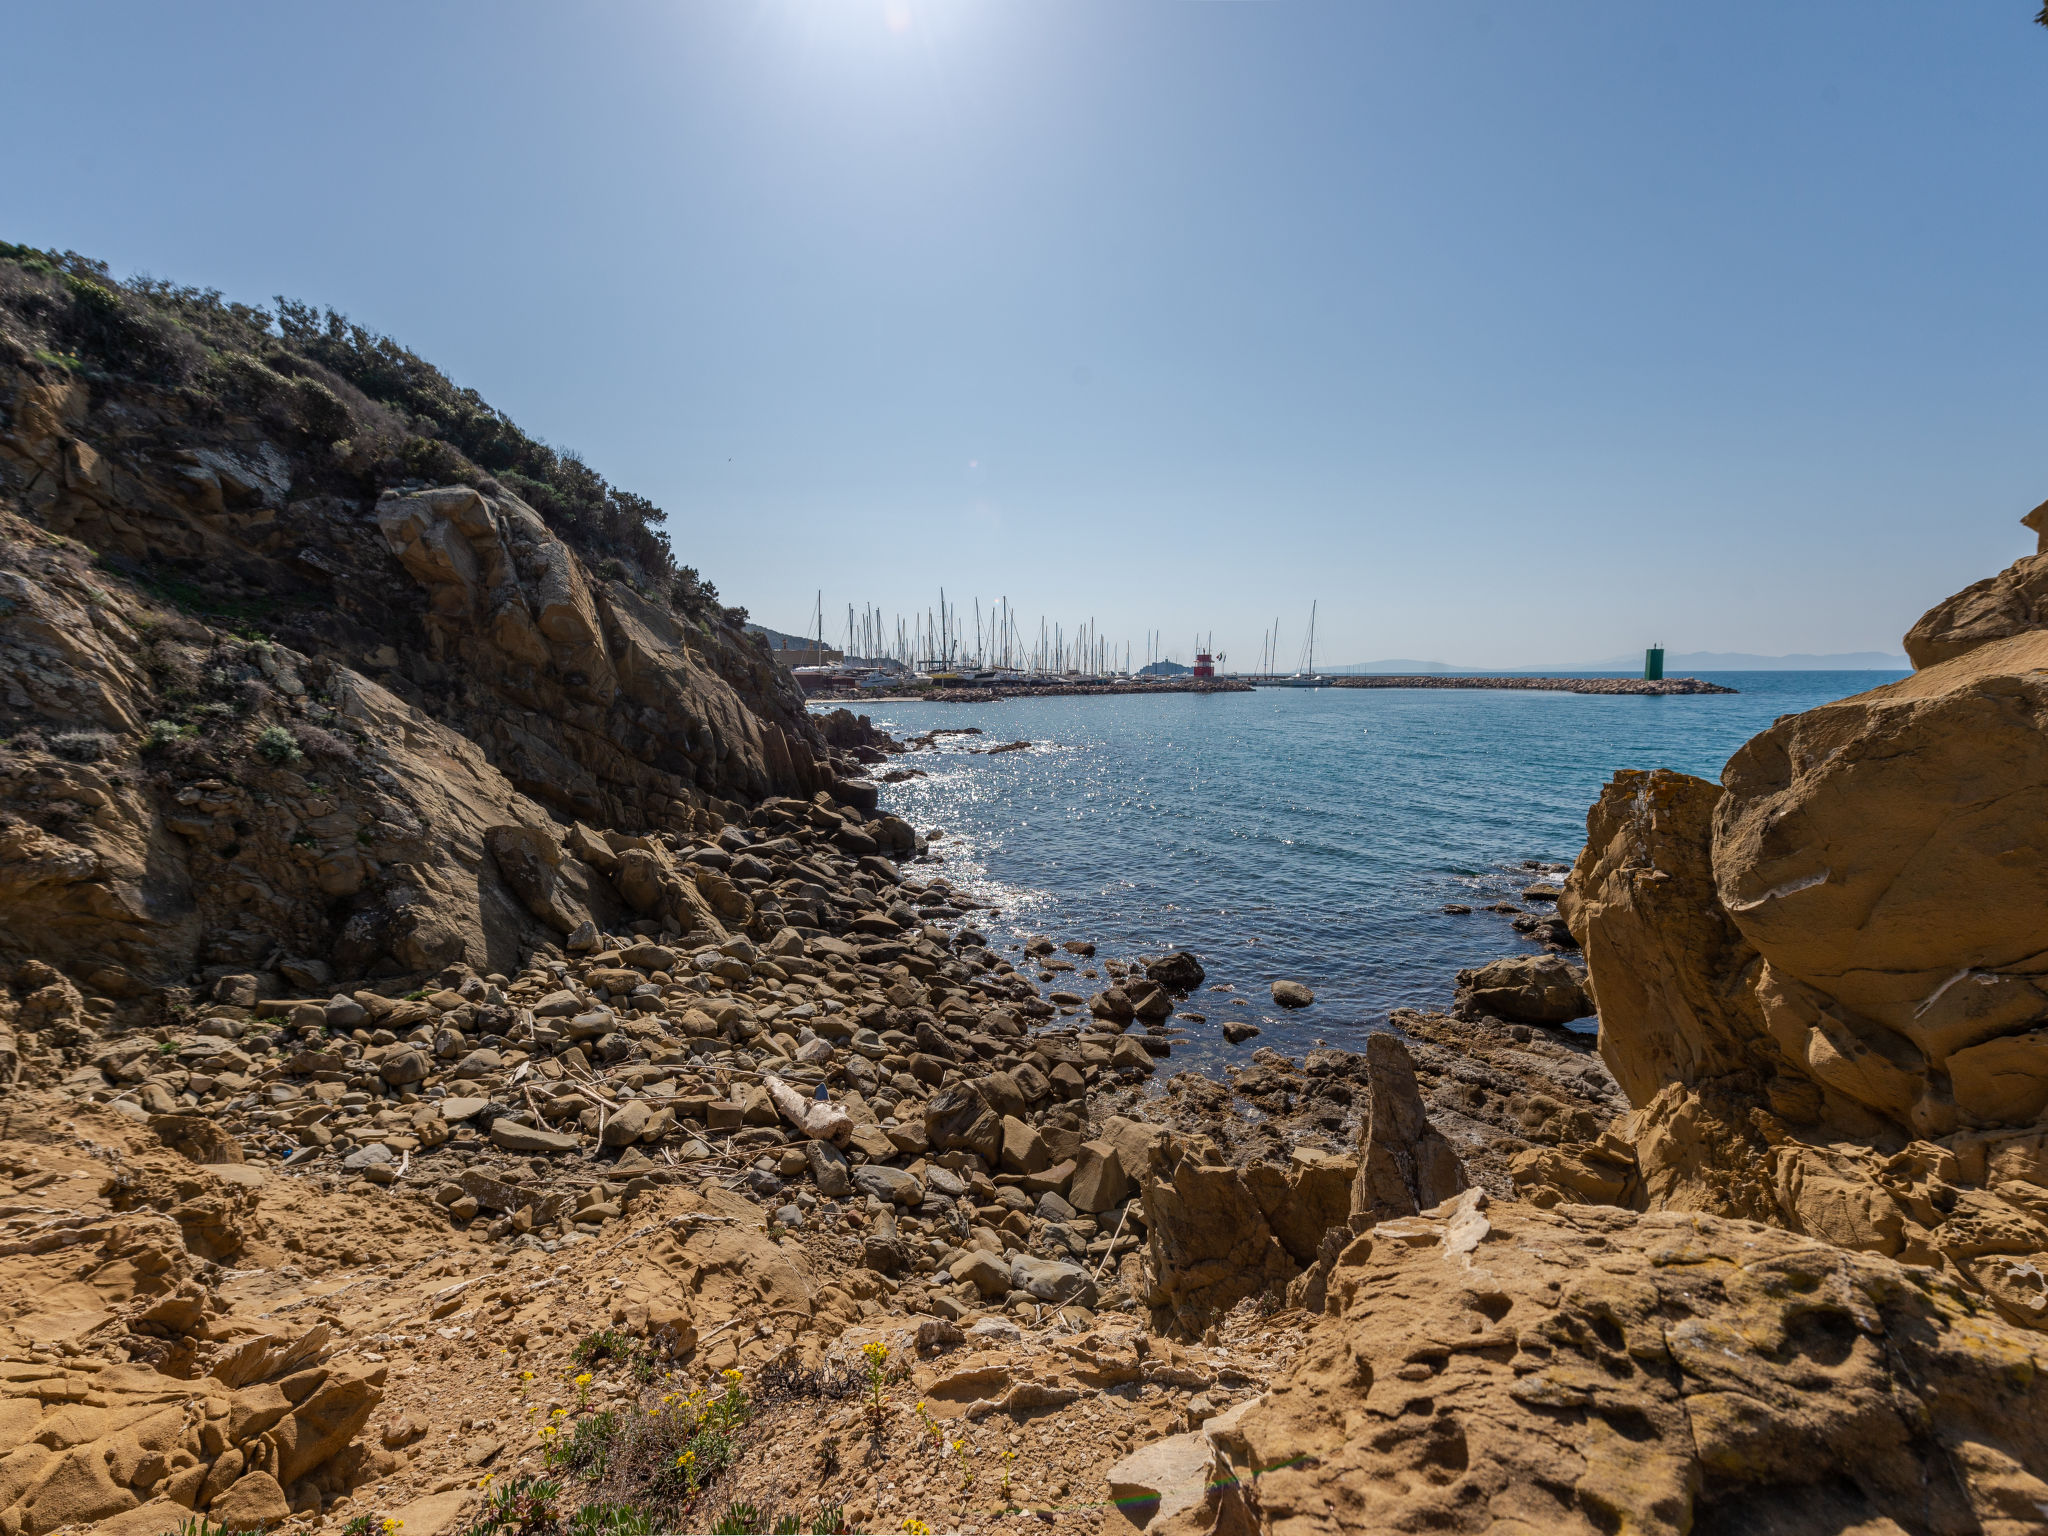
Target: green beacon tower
column 1653, row 664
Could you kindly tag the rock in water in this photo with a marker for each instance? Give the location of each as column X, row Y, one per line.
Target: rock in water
column 1292, row 994
column 1177, row 972
column 1404, row 1163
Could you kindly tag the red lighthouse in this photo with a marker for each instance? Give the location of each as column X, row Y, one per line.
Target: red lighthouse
column 1205, row 664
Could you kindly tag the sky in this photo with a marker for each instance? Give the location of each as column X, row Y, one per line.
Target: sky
column 1504, row 334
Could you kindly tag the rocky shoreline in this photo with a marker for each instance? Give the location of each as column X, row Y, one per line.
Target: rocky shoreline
column 480, row 1059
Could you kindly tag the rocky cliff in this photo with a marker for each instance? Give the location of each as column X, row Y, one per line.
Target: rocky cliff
column 309, row 661
column 1821, row 982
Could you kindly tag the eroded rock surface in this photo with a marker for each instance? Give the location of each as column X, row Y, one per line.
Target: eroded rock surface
column 1505, row 1369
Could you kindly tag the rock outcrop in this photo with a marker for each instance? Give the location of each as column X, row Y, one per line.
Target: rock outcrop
column 1404, row 1163
column 1824, row 983
column 2014, row 602
column 273, row 695
column 1502, row 1368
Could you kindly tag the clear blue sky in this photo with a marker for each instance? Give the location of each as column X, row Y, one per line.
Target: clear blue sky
column 1515, row 334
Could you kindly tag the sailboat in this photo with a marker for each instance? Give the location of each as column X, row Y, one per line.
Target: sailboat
column 1306, row 677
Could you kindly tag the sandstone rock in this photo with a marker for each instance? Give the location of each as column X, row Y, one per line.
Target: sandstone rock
column 254, row 1503
column 960, row 1117
column 985, row 1271
column 1404, row 1163
column 1053, row 1280
column 1672, row 975
column 1024, row 1149
column 1525, row 989
column 1894, row 953
column 1099, row 1182
column 1159, row 1482
column 829, row 1169
column 403, row 1068
column 886, row 1183
column 1211, row 1245
column 1650, row 1401
column 1127, row 1055
column 625, row 1126
column 2014, row 602
column 526, row 1138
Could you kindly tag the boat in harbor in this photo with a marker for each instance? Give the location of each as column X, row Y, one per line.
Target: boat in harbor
column 1307, row 676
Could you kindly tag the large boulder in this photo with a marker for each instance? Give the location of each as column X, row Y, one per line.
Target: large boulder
column 1874, row 852
column 1211, row 1244
column 1525, row 989
column 1673, row 976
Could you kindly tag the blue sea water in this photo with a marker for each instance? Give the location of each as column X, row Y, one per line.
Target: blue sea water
column 1308, row 834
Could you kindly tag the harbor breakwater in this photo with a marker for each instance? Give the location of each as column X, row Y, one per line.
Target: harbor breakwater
column 1659, row 688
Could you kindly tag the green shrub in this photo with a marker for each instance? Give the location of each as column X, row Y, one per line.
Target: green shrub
column 590, row 1445
column 275, row 744
column 739, row 1520
column 604, row 1344
column 520, row 1505
column 163, row 734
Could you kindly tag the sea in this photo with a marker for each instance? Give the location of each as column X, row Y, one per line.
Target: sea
column 1312, row 835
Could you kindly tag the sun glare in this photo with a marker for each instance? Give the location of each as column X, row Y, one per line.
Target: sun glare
column 896, row 15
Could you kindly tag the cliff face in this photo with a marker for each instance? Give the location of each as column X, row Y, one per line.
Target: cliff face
column 290, row 684
column 1824, row 982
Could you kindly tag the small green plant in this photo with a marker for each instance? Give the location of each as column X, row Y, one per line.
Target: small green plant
column 168, row 1048
column 199, row 1525
column 524, row 1504
column 738, row 1520
column 589, row 1448
column 830, row 1520
column 275, row 744
column 874, row 1357
column 789, row 1525
column 360, row 1526
column 604, row 1344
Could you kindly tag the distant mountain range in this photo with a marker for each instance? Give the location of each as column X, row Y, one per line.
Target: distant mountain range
column 1674, row 662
